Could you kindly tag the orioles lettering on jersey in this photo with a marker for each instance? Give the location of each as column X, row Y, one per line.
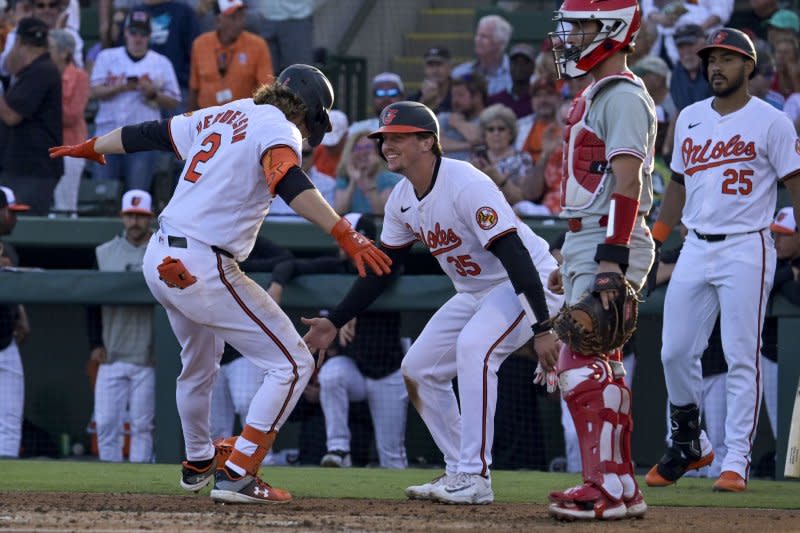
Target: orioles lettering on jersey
column 698, row 156
column 437, row 238
column 235, row 119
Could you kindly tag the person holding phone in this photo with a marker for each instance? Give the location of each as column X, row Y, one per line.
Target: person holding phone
column 497, row 157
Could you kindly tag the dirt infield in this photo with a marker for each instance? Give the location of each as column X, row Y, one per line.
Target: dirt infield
column 144, row 512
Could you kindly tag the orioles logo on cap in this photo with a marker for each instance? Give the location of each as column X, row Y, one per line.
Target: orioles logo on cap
column 486, row 217
column 781, row 216
column 389, row 116
column 720, row 37
column 136, row 200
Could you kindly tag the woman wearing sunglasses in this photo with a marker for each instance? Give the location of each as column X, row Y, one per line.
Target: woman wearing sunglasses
column 497, row 157
column 363, row 184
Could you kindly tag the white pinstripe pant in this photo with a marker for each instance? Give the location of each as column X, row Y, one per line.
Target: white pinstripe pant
column 12, row 400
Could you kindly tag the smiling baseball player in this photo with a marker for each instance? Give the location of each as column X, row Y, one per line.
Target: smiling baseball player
column 730, row 152
column 498, row 267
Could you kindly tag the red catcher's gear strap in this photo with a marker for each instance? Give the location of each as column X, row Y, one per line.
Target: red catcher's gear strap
column 621, row 218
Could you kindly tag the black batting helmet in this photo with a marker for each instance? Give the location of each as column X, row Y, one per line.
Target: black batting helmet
column 314, row 89
column 729, row 39
column 406, row 117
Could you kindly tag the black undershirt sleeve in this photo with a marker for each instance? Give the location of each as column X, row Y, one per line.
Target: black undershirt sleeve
column 293, row 183
column 366, row 290
column 677, row 178
column 521, row 271
column 145, row 136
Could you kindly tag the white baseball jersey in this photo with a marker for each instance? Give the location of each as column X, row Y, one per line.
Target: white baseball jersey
column 731, row 164
column 114, row 65
column 222, row 195
column 458, row 220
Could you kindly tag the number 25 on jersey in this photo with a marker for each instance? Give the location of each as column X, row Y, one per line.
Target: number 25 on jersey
column 737, row 181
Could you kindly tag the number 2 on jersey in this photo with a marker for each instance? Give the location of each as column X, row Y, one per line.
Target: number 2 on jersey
column 740, row 178
column 211, row 145
column 464, row 264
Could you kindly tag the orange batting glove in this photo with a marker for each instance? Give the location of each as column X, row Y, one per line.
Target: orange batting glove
column 360, row 249
column 84, row 150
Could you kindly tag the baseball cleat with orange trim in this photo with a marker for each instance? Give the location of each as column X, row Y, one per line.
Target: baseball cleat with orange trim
column 673, row 466
column 230, row 488
column 730, row 482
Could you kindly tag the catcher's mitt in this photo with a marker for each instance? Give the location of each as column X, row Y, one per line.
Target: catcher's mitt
column 588, row 328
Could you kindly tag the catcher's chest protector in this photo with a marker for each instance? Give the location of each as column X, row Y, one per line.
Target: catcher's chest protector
column 584, row 164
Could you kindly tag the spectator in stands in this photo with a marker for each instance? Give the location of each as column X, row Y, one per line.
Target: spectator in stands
column 51, row 13
column 763, row 76
column 669, row 15
column 387, row 88
column 31, row 114
column 491, row 39
column 74, row 97
column 540, row 136
column 365, row 367
column 328, row 154
column 229, row 63
column 288, row 28
column 121, row 340
column 656, row 76
column 752, row 20
column 544, row 67
column 518, row 98
column 363, row 184
column 783, row 24
column 460, row 128
column 174, row 29
column 435, row 89
column 497, row 157
column 6, row 23
column 688, row 83
column 787, row 67
column 134, row 84
column 14, row 329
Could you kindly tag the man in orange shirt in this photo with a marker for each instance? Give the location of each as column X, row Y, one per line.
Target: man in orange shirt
column 229, row 63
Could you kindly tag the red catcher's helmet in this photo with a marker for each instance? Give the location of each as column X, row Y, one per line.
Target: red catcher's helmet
column 619, row 20
column 729, row 39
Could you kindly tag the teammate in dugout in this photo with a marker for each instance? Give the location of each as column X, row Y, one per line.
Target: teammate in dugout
column 239, row 157
column 498, row 266
column 730, row 152
column 606, row 192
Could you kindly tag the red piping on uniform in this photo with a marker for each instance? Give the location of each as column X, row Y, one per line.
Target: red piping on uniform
column 758, row 353
column 266, row 330
column 486, row 386
column 501, row 234
column 171, row 141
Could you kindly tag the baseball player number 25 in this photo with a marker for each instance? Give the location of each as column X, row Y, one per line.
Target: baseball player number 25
column 741, row 178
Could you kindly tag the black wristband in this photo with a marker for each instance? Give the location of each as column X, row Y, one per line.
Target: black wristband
column 612, row 253
column 541, row 327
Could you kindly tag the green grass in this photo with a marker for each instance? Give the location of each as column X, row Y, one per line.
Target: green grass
column 70, row 476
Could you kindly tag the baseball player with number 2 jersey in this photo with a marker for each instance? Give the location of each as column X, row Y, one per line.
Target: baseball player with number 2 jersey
column 499, row 268
column 730, row 152
column 239, row 157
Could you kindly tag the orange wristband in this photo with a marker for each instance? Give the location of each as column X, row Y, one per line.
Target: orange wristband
column 660, row 231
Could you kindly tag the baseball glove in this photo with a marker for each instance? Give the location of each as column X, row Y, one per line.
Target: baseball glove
column 588, row 328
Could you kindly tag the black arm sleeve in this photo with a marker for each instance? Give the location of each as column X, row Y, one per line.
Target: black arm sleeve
column 151, row 135
column 293, row 183
column 521, row 271
column 366, row 290
column 678, row 178
column 285, row 271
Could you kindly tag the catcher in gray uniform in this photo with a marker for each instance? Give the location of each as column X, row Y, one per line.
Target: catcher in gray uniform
column 607, row 190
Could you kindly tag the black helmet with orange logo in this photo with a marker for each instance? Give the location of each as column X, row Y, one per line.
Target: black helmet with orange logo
column 729, row 39
column 406, row 117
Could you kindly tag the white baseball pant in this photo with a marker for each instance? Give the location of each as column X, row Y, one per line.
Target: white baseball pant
column 12, row 400
column 341, row 382
column 234, row 388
